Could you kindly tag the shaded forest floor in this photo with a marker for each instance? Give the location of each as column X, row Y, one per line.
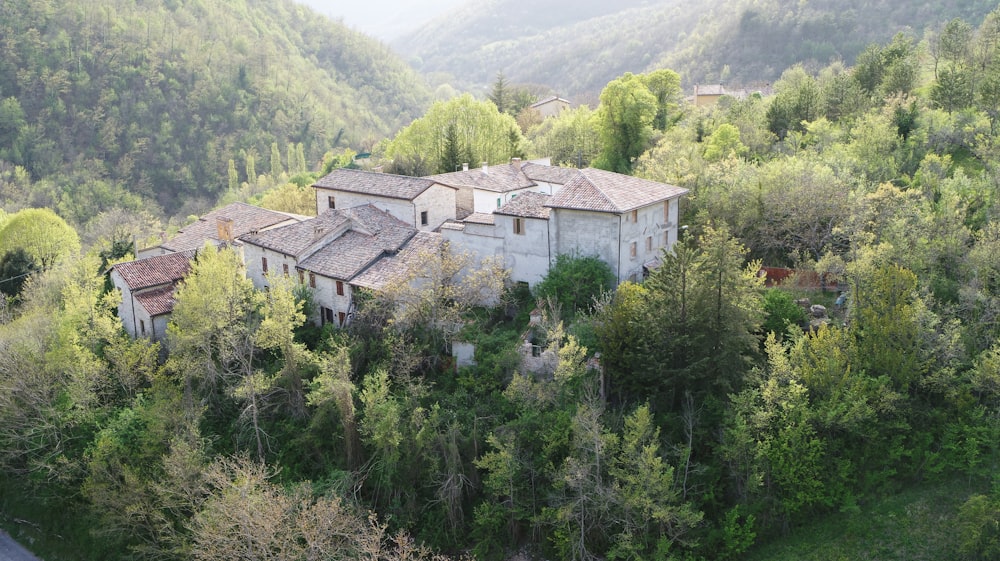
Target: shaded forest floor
column 916, row 524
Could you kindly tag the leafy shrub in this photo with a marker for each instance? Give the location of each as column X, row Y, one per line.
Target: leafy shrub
column 575, row 282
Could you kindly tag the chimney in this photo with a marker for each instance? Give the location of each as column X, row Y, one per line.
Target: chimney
column 486, row 166
column 224, row 229
column 318, row 231
column 516, row 162
column 465, row 166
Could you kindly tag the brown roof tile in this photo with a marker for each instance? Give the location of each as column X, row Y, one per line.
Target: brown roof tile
column 527, row 205
column 338, row 243
column 392, row 268
column 158, row 301
column 499, row 179
column 154, row 271
column 605, row 191
column 246, row 219
column 376, row 184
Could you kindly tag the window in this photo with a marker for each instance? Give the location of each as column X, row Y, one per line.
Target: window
column 326, row 315
column 423, row 218
column 666, row 211
column 518, row 226
column 284, row 268
column 340, row 288
column 498, row 202
column 649, row 243
column 302, row 277
column 635, row 215
column 331, row 202
column 633, row 249
column 263, row 264
column 341, row 316
column 312, row 280
column 666, row 239
column 142, row 327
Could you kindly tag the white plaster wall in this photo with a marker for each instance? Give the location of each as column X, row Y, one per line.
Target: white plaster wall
column 650, row 223
column 399, row 208
column 586, row 233
column 159, row 326
column 439, row 202
column 126, row 308
column 526, row 254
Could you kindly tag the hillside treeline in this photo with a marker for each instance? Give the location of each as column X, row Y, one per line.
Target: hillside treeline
column 737, row 43
column 129, row 103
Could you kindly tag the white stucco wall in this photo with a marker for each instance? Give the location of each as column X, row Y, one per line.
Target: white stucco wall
column 126, row 307
column 159, row 326
column 586, row 233
column 440, row 204
column 526, row 254
column 650, row 226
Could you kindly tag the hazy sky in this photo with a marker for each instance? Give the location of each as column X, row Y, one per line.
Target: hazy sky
column 383, row 19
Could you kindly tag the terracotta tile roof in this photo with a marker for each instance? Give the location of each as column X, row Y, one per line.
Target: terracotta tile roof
column 549, row 174
column 498, row 179
column 158, row 301
column 527, row 205
column 246, row 218
column 154, row 271
column 605, row 191
column 397, row 267
column 338, row 243
column 479, row 218
column 376, row 184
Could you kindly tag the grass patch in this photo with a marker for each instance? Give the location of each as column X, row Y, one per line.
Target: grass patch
column 917, row 524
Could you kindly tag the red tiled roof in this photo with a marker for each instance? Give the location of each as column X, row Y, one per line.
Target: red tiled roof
column 604, row 191
column 376, row 184
column 158, row 301
column 154, row 271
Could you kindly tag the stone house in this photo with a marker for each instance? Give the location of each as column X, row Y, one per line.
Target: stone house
column 551, row 106
column 147, row 284
column 625, row 221
column 147, row 288
column 423, row 203
column 490, row 187
column 335, row 254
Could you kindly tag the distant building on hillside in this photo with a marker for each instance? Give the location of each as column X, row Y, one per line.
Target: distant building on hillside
column 551, row 106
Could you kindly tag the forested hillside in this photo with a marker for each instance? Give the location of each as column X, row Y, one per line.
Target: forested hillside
column 700, row 413
column 738, row 42
column 124, row 103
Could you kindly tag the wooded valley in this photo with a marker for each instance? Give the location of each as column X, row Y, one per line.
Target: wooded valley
column 702, row 413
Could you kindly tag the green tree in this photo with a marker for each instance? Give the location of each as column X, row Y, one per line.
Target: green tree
column 576, row 282
column 796, row 101
column 665, row 85
column 482, row 131
column 41, row 233
column 15, row 267
column 625, row 119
